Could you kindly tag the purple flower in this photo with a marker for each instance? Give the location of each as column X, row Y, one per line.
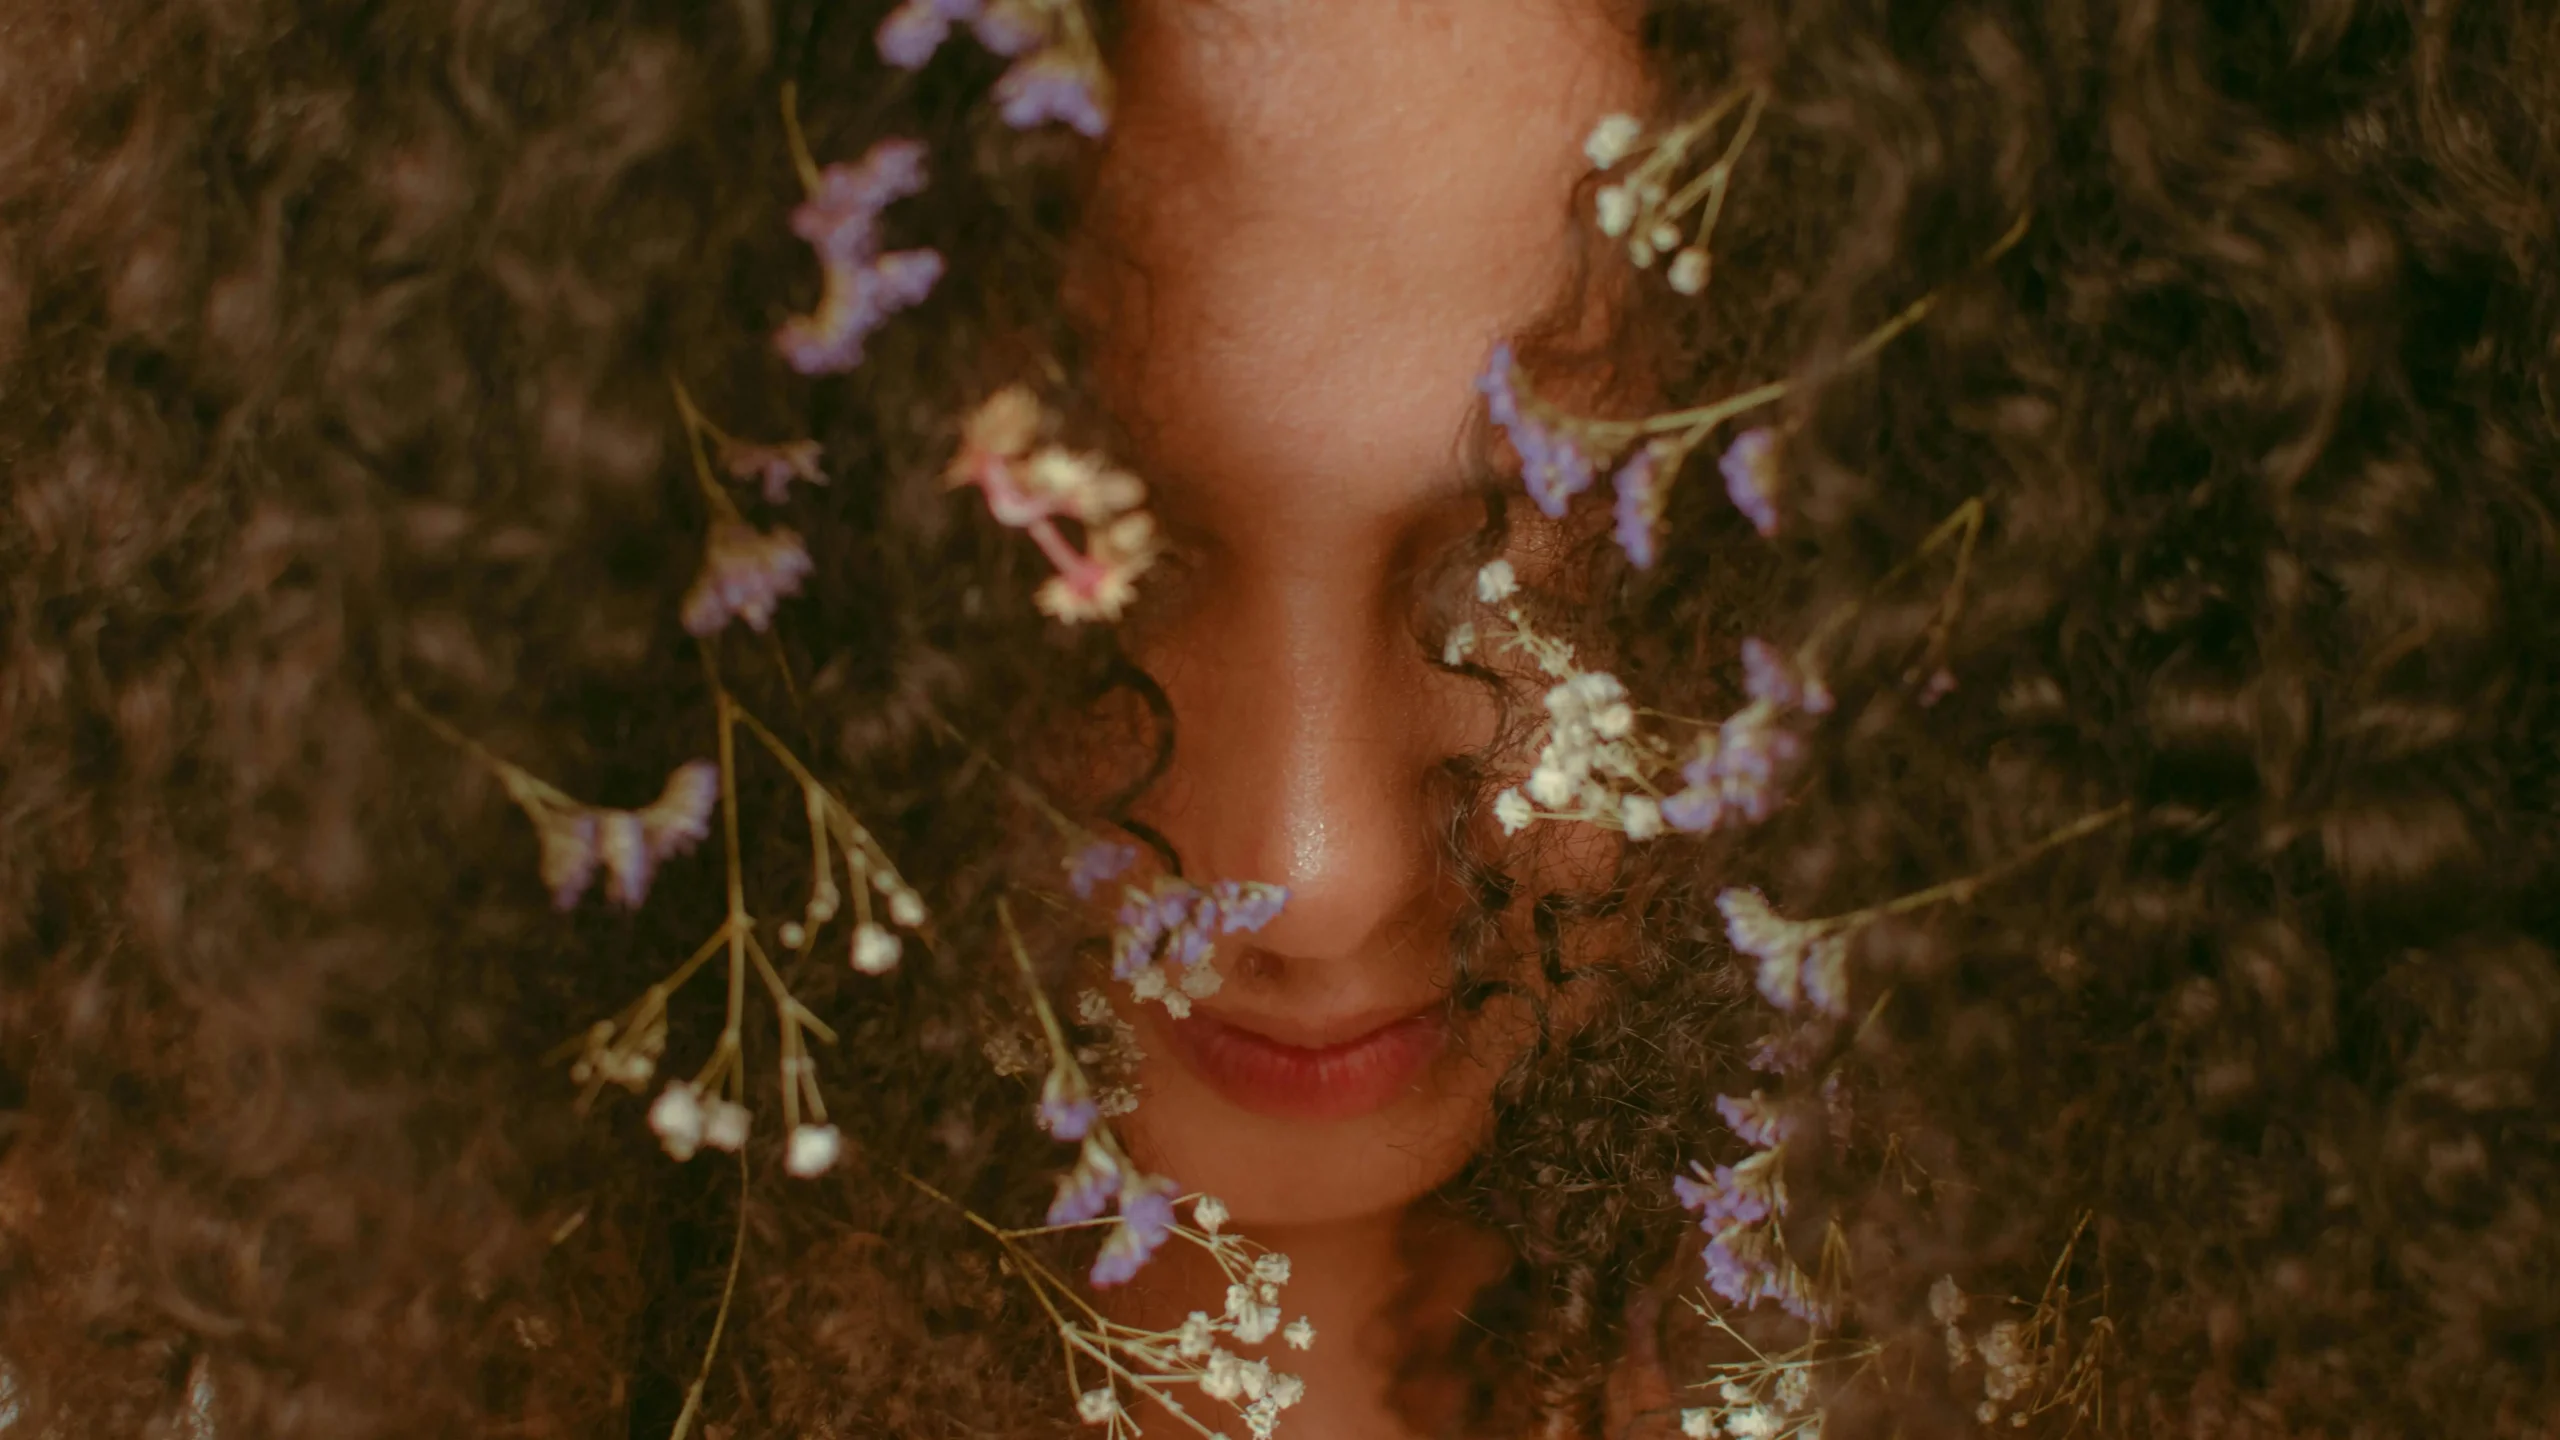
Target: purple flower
column 1006, row 27
column 1755, row 1120
column 623, row 845
column 1245, row 907
column 568, row 854
column 1098, row 863
column 1751, row 479
column 680, row 818
column 745, row 575
column 1067, row 1110
column 776, row 465
column 855, row 300
column 1552, row 465
column 913, row 31
column 1789, row 1052
column 841, row 218
column 1146, row 1220
column 1698, row 808
column 1724, row 1197
column 1639, row 506
column 1769, row 675
column 1085, row 1191
column 1048, row 87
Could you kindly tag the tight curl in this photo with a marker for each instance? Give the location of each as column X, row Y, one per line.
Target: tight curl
column 336, row 346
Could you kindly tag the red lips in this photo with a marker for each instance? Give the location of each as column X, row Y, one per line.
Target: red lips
column 1355, row 1077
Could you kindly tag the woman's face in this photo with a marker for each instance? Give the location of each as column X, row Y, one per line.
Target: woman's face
column 1317, row 217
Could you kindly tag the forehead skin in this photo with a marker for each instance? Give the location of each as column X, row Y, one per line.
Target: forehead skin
column 1324, row 212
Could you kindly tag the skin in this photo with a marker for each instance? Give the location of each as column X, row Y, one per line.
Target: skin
column 1315, row 219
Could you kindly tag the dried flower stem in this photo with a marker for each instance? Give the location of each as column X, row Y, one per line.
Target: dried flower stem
column 719, row 1318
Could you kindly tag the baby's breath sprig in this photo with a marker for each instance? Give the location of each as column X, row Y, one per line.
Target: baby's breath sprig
column 2035, row 1366
column 1114, row 1370
column 1773, row 1396
column 1655, row 213
column 1600, row 763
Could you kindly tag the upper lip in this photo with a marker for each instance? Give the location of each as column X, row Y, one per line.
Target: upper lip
column 1320, row 1032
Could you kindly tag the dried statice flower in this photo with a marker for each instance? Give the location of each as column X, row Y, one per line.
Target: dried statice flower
column 1146, row 1221
column 1769, row 675
column 628, row 845
column 1032, row 488
column 1750, row 467
column 1755, row 1120
column 1802, row 964
column 1638, row 511
column 860, row 286
column 1067, row 1107
column 774, row 465
column 1052, row 86
column 1163, row 936
column 1085, row 1191
column 746, row 573
column 1553, row 464
column 1098, row 863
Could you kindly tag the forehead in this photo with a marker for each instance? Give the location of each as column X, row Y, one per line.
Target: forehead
column 1319, row 214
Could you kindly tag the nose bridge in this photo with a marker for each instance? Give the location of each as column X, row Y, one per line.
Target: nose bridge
column 1301, row 741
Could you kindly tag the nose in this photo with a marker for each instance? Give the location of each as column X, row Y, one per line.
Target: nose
column 1307, row 726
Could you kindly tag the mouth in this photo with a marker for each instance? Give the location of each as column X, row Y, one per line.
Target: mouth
column 1354, row 1077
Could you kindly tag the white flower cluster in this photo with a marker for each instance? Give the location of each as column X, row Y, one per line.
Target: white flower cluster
column 1644, row 210
column 1142, row 1364
column 1771, row 1396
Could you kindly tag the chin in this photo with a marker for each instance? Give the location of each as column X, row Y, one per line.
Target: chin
column 1291, row 1135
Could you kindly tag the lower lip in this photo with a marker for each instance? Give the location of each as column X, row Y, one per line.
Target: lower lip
column 1337, row 1082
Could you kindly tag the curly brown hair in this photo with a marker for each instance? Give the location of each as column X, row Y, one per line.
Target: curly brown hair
column 335, row 345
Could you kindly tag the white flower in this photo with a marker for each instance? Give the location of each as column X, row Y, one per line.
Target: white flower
column 1255, row 1323
column 1301, row 1334
column 1614, row 721
column 1209, row 1213
column 1223, row 1377
column 1514, row 811
column 813, row 1150
column 1688, row 273
column 1612, row 140
column 1460, row 644
column 1286, row 1390
column 906, row 908
column 875, row 950
column 1551, row 787
column 1256, row 1376
column 677, row 1117
column 1148, row 984
column 724, row 1125
column 1496, row 582
column 1946, row 1301
column 1641, row 817
column 1665, row 236
column 1794, row 1388
column 1616, row 210
column 1239, row 1301
column 1097, row 1407
column 1756, row 1423
column 1177, row 1004
column 1262, row 1417
column 1197, row 1337
column 1271, row 1267
column 1202, row 981
column 1698, row 1424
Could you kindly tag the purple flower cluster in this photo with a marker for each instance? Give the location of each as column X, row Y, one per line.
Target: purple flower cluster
column 1047, row 82
column 1639, row 508
column 1552, row 464
column 916, row 29
column 1755, row 1119
column 746, row 572
column 1180, row 922
column 861, row 286
column 628, row 845
column 1738, row 1206
column 1803, row 964
column 1750, row 467
column 1067, row 1109
column 1735, row 775
column 1098, row 864
column 1146, row 1211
